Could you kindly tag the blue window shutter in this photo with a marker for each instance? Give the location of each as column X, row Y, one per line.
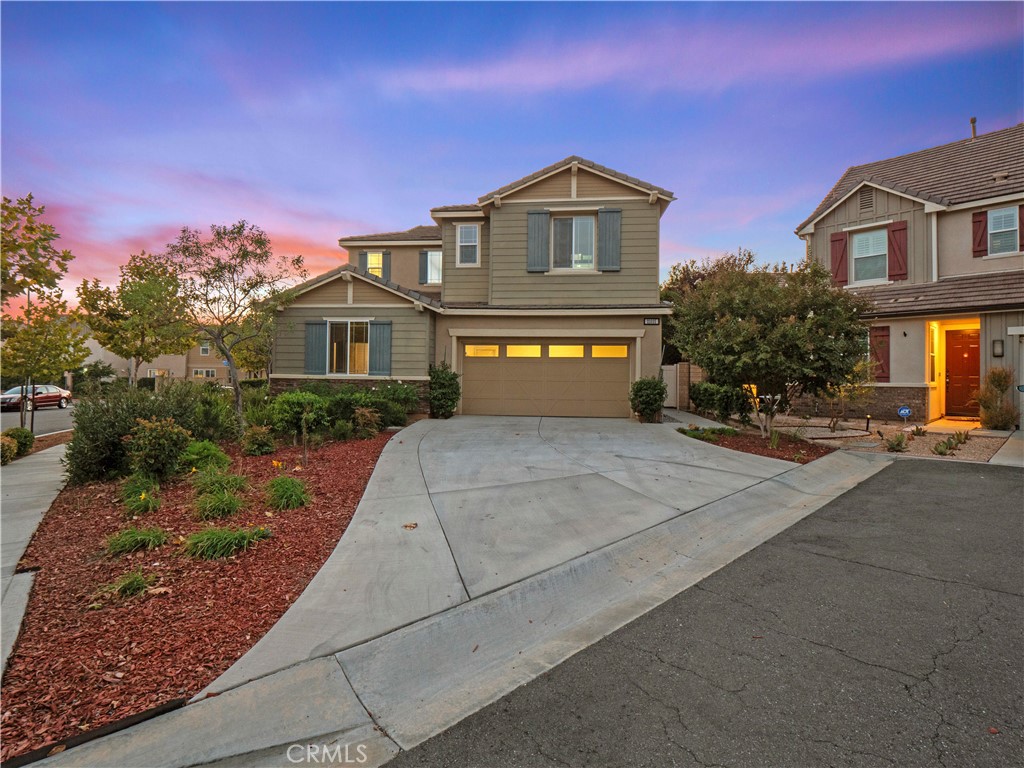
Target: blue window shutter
column 609, row 239
column 316, row 348
column 385, row 271
column 380, row 347
column 538, row 258
column 363, row 261
column 424, row 274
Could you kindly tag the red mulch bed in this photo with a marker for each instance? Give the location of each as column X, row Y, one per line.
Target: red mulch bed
column 790, row 449
column 49, row 441
column 75, row 668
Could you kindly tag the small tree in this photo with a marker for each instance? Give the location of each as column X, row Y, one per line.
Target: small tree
column 44, row 342
column 781, row 331
column 996, row 409
column 231, row 286
column 143, row 317
column 28, row 258
column 853, row 390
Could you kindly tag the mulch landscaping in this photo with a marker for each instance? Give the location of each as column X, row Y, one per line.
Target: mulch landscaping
column 788, row 449
column 85, row 659
column 51, row 440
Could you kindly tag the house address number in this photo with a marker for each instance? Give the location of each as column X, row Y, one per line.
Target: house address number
column 652, row 321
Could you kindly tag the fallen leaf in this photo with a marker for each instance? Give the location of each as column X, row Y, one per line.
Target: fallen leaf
column 993, row 731
column 411, row 526
column 474, row 648
column 158, row 591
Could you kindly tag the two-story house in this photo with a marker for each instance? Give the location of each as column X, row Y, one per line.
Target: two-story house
column 543, row 295
column 935, row 240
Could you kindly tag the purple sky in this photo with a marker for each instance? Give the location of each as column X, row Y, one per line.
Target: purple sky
column 321, row 120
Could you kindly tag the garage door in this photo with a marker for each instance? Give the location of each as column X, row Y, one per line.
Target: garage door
column 557, row 378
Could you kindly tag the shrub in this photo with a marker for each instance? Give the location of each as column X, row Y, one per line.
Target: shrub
column 217, row 504
column 405, row 395
column 897, row 443
column 393, row 412
column 997, row 412
column 256, row 405
column 342, row 431
column 257, row 441
column 287, row 493
column 136, row 485
column 23, row 437
column 212, row 481
column 941, row 448
column 318, row 388
column 156, row 446
column 961, row 437
column 129, row 585
column 445, row 391
column 647, row 397
column 720, row 401
column 215, row 417
column 707, row 434
column 366, row 422
column 8, row 450
column 291, row 410
column 202, row 454
column 147, row 383
column 134, row 539
column 215, row 543
column 142, row 503
column 256, row 384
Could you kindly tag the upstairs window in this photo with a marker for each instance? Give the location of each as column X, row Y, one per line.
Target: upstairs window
column 433, row 267
column 204, row 349
column 572, row 242
column 1002, row 230
column 469, row 245
column 375, row 263
column 870, row 257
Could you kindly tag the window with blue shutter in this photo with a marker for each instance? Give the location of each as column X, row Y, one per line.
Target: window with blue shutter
column 609, row 239
column 423, row 267
column 363, row 260
column 316, row 349
column 380, row 347
column 385, row 270
column 538, row 252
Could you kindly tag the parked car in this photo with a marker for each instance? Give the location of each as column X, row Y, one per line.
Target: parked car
column 43, row 395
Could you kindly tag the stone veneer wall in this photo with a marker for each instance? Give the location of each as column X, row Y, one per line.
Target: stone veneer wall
column 278, row 385
column 881, row 404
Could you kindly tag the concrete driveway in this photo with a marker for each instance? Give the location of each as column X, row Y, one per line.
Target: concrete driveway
column 484, row 552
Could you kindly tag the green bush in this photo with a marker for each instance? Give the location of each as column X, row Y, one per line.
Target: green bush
column 217, row 504
column 258, row 441
column 290, row 409
column 215, row 417
column 720, row 401
column 390, row 401
column 212, row 481
column 405, row 395
column 707, row 434
column 23, row 437
column 256, row 405
column 997, row 411
column 134, row 539
column 156, row 446
column 147, row 383
column 8, row 450
column 366, row 422
column 287, row 493
column 445, row 391
column 214, row 543
column 259, row 384
column 202, row 454
column 319, row 388
column 342, row 431
column 647, row 397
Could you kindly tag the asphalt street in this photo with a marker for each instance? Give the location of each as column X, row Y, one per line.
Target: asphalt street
column 885, row 629
column 47, row 419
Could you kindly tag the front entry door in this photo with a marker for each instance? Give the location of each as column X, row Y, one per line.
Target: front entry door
column 963, row 372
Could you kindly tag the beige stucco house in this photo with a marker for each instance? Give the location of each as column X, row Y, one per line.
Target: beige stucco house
column 543, row 295
column 935, row 240
column 201, row 363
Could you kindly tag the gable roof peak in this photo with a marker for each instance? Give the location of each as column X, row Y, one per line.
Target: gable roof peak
column 565, row 163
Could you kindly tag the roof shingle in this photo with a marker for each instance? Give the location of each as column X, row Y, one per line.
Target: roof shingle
column 586, row 164
column 422, row 232
column 970, row 293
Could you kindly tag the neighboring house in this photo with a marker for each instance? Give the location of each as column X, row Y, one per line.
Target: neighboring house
column 543, row 295
column 201, row 363
column 935, row 240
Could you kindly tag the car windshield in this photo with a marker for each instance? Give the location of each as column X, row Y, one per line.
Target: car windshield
column 14, row 391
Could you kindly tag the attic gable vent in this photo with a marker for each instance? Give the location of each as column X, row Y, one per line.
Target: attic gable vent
column 1000, row 176
column 866, row 199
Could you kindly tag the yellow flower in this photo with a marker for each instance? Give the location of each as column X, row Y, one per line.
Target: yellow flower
column 142, row 496
column 277, row 464
column 193, row 469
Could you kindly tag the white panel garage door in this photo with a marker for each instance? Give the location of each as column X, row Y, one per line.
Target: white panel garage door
column 520, row 377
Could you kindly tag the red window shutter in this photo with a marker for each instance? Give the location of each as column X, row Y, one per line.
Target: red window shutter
column 840, row 272
column 880, row 351
column 980, row 239
column 898, row 250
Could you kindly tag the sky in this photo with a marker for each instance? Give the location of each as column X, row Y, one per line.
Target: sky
column 315, row 121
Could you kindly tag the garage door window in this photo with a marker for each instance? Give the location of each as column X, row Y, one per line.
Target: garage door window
column 565, row 350
column 481, row 350
column 609, row 350
column 522, row 350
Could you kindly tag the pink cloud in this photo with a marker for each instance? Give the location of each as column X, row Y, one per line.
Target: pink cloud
column 712, row 56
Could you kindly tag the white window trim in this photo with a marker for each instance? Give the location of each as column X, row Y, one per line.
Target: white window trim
column 440, row 266
column 206, row 347
column 551, row 239
column 369, row 268
column 204, row 371
column 853, row 261
column 458, row 246
column 988, row 231
column 348, row 321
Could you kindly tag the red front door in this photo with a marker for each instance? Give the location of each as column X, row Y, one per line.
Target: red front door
column 963, row 372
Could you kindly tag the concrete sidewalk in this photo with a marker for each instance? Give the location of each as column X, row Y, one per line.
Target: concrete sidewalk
column 1012, row 452
column 28, row 487
column 484, row 552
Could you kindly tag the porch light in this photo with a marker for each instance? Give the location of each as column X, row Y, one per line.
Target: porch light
column 997, row 347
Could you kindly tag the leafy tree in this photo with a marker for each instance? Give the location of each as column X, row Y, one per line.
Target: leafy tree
column 254, row 355
column 28, row 258
column 44, row 342
column 685, row 277
column 231, row 285
column 143, row 317
column 783, row 331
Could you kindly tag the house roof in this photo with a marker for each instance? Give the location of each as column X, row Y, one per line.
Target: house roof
column 586, row 164
column 970, row 293
column 416, row 234
column 464, row 207
column 950, row 174
column 428, row 299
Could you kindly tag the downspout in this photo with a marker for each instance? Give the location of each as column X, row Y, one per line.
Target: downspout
column 935, row 245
